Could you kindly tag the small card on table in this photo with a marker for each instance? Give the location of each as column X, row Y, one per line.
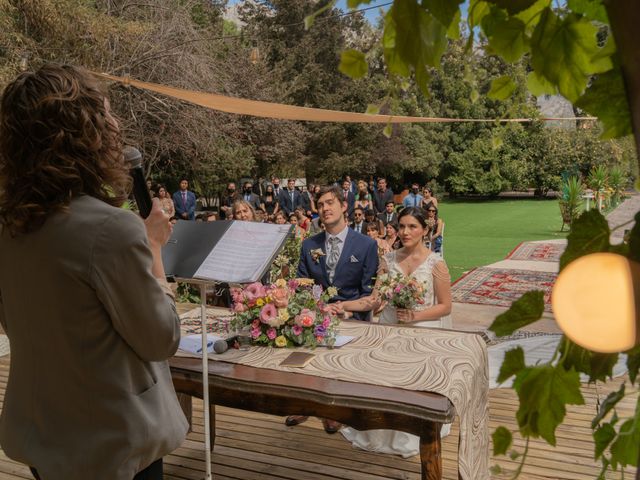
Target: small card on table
column 297, row 360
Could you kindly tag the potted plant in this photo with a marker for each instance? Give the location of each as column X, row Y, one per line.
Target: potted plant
column 617, row 184
column 571, row 200
column 597, row 181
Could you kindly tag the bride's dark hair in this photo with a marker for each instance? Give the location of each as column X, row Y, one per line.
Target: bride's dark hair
column 417, row 213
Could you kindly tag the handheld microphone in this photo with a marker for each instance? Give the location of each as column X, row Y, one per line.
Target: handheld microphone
column 221, row 346
column 140, row 191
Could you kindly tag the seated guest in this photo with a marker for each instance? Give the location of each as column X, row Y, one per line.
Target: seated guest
column 389, row 214
column 280, row 218
column 166, row 202
column 370, row 217
column 303, row 221
column 427, row 196
column 358, row 223
column 298, row 231
column 372, row 231
column 435, row 226
column 391, row 238
column 241, row 210
column 363, row 197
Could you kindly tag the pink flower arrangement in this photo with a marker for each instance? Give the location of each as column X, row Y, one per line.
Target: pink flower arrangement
column 401, row 291
column 287, row 313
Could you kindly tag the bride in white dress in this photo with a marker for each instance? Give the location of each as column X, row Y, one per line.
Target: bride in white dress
column 414, row 259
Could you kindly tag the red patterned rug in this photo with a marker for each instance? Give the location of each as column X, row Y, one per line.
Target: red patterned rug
column 500, row 287
column 537, row 252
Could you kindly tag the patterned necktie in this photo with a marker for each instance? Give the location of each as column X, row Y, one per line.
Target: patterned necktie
column 333, row 257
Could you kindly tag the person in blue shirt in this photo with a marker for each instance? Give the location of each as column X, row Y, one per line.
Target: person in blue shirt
column 413, row 199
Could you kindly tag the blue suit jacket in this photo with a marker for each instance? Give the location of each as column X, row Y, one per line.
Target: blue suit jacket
column 189, row 207
column 285, row 201
column 354, row 273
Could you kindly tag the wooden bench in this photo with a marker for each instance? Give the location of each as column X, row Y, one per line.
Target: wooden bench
column 359, row 405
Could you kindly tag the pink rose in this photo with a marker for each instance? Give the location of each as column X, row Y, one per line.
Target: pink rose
column 326, row 322
column 398, row 289
column 306, row 318
column 239, row 307
column 268, row 313
column 254, row 291
column 297, row 329
column 280, row 297
column 255, row 323
column 271, row 333
column 255, row 332
column 237, row 295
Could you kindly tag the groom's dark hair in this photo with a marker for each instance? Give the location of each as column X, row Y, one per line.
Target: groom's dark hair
column 334, row 189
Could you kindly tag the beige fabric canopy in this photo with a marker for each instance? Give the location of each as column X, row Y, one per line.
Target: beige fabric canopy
column 281, row 111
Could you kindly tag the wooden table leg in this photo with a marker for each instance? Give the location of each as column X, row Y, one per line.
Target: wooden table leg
column 430, row 452
column 185, row 403
column 212, row 424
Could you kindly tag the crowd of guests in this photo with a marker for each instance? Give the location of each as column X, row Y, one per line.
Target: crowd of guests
column 371, row 208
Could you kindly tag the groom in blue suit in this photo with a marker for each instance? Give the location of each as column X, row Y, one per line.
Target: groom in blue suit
column 338, row 257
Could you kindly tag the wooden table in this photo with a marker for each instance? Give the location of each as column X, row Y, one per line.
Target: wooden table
column 359, row 405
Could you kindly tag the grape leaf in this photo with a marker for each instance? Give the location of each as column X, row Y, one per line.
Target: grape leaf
column 538, row 85
column 527, row 309
column 599, row 366
column 444, row 10
column 592, row 9
column 562, row 50
column 544, row 391
column 477, row 11
column 624, row 449
column 353, row 64
column 602, row 437
column 633, row 363
column 501, row 441
column 589, row 234
column 373, row 109
column 513, row 6
column 502, row 88
column 606, row 99
column 605, row 407
column 634, row 240
column 356, row 3
column 513, row 362
column 508, row 39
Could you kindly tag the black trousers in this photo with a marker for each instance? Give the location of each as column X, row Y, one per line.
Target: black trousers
column 152, row 472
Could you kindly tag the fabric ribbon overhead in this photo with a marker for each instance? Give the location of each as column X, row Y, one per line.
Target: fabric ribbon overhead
column 281, row 111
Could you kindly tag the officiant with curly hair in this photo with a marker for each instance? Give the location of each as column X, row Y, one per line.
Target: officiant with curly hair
column 83, row 297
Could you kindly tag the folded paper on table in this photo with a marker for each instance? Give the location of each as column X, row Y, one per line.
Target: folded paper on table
column 193, row 343
column 340, row 341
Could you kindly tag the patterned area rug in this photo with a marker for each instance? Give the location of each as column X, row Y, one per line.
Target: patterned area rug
column 500, row 287
column 537, row 252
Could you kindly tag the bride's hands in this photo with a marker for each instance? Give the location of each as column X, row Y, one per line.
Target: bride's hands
column 405, row 316
column 338, row 310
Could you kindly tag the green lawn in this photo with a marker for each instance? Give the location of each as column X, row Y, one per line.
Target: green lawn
column 478, row 233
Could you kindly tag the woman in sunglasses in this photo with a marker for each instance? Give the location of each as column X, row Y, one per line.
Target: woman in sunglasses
column 436, row 227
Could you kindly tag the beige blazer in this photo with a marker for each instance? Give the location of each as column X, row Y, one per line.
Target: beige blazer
column 89, row 394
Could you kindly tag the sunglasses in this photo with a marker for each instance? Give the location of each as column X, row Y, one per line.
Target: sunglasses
column 430, row 210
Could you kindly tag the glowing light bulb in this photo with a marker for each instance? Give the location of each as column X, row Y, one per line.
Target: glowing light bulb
column 595, row 302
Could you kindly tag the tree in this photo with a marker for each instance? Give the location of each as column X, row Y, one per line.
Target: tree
column 569, row 51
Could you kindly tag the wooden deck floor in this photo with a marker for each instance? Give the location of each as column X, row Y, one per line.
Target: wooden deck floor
column 254, row 446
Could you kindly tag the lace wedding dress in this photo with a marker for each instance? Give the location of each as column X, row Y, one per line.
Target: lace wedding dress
column 392, row 441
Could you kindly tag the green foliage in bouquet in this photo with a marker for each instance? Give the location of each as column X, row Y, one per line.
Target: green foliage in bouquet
column 285, row 265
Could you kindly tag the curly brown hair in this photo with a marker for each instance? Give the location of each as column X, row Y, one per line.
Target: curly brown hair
column 57, row 141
